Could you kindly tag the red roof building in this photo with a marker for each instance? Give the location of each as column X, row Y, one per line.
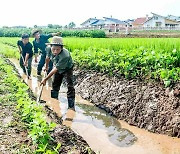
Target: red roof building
column 139, row 22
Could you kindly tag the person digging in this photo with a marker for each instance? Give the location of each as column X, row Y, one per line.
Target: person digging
column 62, row 68
column 25, row 49
column 39, row 42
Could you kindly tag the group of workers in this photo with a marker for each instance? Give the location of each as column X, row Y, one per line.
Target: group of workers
column 55, row 59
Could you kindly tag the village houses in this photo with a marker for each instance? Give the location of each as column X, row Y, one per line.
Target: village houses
column 114, row 25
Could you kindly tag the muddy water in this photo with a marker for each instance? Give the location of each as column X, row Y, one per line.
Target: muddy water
column 102, row 132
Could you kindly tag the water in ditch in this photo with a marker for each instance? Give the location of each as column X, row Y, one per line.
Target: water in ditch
column 103, row 133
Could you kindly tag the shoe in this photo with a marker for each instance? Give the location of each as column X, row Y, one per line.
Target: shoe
column 54, row 94
column 71, row 102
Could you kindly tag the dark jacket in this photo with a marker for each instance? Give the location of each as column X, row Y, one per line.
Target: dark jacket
column 25, row 48
column 41, row 44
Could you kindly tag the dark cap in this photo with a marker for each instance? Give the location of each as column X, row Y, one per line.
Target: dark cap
column 25, row 36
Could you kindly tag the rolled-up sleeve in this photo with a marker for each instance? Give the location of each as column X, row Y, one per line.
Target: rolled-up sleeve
column 48, row 52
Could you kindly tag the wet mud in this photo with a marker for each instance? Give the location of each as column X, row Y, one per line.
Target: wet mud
column 103, row 132
column 70, row 141
column 143, row 104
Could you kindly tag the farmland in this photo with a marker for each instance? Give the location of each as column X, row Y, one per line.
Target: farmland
column 132, row 58
column 133, row 79
column 152, row 58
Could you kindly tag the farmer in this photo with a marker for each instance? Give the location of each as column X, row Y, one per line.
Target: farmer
column 25, row 49
column 40, row 43
column 63, row 67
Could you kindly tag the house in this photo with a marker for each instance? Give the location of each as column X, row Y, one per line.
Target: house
column 100, row 24
column 171, row 17
column 88, row 22
column 139, row 22
column 114, row 25
column 129, row 22
column 161, row 21
column 110, row 24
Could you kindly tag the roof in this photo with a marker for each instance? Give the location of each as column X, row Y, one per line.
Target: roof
column 114, row 21
column 90, row 21
column 171, row 18
column 98, row 22
column 154, row 14
column 129, row 21
column 140, row 21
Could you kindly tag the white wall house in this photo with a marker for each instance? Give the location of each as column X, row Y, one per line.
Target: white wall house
column 109, row 24
column 160, row 21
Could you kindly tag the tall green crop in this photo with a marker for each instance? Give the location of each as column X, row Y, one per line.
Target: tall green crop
column 129, row 57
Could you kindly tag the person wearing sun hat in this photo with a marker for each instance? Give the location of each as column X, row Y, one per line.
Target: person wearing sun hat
column 39, row 42
column 62, row 68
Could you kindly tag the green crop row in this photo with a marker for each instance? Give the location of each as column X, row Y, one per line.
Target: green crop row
column 32, row 114
column 141, row 63
column 17, row 32
column 116, row 44
column 129, row 44
column 143, row 58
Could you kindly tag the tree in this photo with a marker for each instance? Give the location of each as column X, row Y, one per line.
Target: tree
column 50, row 25
column 57, row 26
column 5, row 27
column 71, row 25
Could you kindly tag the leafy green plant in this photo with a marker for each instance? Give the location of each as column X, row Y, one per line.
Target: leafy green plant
column 32, row 114
column 143, row 58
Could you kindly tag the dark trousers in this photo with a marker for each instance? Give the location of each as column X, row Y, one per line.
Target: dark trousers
column 57, row 81
column 42, row 62
column 28, row 67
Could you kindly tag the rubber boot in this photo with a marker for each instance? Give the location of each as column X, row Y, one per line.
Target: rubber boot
column 71, row 102
column 54, row 94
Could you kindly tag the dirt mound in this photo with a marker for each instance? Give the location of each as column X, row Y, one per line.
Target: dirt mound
column 144, row 104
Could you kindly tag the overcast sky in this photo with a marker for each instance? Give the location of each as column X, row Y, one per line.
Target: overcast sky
column 62, row 12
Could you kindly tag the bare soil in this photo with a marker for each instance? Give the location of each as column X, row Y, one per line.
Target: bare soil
column 70, row 141
column 145, row 104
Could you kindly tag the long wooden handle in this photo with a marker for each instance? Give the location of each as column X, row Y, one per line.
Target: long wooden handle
column 41, row 89
column 40, row 93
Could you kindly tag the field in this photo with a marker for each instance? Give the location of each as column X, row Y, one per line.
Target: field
column 143, row 58
column 130, row 78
